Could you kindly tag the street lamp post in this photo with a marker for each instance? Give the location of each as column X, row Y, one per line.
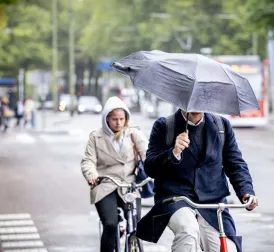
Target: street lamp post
column 71, row 57
column 54, row 54
column 270, row 47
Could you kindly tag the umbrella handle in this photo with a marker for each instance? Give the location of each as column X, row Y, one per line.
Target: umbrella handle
column 187, row 114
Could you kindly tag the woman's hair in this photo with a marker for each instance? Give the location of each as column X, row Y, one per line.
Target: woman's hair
column 120, row 133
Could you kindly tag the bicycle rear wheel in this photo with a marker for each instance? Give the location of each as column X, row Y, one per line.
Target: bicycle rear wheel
column 134, row 244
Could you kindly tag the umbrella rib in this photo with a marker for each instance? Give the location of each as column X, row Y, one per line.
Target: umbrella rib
column 193, row 84
column 233, row 85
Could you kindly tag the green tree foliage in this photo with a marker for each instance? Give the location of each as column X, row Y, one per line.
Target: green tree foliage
column 3, row 5
column 25, row 38
column 112, row 29
column 261, row 12
column 120, row 27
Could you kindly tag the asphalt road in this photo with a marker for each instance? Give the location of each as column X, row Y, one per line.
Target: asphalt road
column 45, row 200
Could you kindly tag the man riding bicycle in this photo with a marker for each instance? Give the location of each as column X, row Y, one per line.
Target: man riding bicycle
column 194, row 165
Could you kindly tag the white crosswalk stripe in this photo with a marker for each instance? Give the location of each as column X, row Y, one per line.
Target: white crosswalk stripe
column 14, row 216
column 22, row 244
column 16, row 223
column 19, row 237
column 19, row 234
column 18, row 230
column 27, row 250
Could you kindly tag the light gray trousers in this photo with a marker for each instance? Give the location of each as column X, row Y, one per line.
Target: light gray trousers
column 193, row 233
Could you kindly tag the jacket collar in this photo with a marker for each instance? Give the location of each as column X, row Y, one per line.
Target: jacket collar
column 191, row 123
column 106, row 146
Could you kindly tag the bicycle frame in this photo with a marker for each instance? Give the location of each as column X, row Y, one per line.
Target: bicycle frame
column 220, row 208
column 131, row 211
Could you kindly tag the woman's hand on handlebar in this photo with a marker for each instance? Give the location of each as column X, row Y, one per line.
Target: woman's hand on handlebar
column 93, row 180
column 254, row 202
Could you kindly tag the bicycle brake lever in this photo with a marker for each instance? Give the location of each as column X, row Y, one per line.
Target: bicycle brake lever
column 99, row 180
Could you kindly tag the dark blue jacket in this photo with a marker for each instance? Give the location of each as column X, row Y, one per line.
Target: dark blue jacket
column 203, row 181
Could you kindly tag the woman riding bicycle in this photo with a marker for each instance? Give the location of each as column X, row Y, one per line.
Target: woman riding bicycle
column 110, row 152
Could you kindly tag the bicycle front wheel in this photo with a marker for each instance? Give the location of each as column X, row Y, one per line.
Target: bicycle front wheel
column 135, row 245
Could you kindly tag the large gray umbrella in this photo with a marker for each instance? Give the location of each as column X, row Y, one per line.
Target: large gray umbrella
column 192, row 82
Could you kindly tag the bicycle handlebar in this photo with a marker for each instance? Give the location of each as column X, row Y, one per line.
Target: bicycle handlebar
column 124, row 184
column 220, row 205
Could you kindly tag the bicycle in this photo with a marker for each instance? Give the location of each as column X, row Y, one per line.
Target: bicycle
column 220, row 208
column 132, row 243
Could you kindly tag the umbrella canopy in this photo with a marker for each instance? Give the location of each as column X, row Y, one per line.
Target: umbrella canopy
column 192, row 82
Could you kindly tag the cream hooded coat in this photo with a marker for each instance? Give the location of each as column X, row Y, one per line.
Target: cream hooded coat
column 101, row 158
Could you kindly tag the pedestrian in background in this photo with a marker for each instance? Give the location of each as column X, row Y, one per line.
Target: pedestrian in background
column 19, row 111
column 110, row 152
column 29, row 112
column 6, row 113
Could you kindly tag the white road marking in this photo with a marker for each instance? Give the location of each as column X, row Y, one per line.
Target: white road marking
column 16, row 223
column 20, row 216
column 19, row 237
column 26, row 250
column 18, row 230
column 19, row 234
column 22, row 244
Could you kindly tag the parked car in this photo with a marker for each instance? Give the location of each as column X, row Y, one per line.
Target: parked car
column 89, row 104
column 65, row 102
